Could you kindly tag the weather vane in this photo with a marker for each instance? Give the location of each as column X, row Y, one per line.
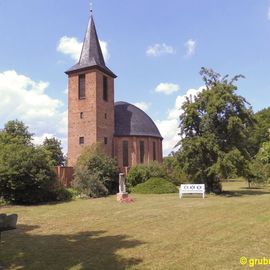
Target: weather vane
column 91, row 7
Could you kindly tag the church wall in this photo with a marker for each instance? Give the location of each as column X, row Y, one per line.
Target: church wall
column 134, row 150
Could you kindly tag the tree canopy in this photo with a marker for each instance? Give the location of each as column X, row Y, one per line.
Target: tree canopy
column 54, row 149
column 260, row 133
column 17, row 131
column 95, row 174
column 26, row 174
column 214, row 130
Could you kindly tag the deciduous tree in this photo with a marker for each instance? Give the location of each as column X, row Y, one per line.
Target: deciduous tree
column 214, row 132
column 26, row 174
column 95, row 173
column 54, row 149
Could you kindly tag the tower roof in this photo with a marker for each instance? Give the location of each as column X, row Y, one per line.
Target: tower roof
column 91, row 54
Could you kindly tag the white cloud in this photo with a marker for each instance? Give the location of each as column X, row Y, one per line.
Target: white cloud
column 268, row 13
column 26, row 100
column 143, row 105
column 169, row 131
column 190, row 47
column 72, row 46
column 167, row 88
column 105, row 50
column 159, row 49
column 40, row 139
column 169, row 127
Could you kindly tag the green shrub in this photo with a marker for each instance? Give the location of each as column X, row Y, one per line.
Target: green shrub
column 2, row 201
column 89, row 184
column 155, row 186
column 95, row 174
column 137, row 174
column 141, row 173
column 74, row 192
column 26, row 172
column 173, row 170
column 156, row 169
column 26, row 176
column 62, row 194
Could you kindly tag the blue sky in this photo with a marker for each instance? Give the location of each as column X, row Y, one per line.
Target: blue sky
column 155, row 47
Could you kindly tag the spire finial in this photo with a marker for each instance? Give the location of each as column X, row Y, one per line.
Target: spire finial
column 91, row 7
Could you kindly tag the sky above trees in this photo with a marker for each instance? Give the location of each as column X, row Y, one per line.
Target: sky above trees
column 155, row 47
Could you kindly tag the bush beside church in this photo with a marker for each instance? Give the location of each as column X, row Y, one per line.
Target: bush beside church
column 27, row 173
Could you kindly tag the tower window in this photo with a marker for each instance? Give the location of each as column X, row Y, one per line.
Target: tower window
column 81, row 140
column 154, row 151
column 105, row 88
column 125, row 153
column 105, row 115
column 82, row 86
column 81, row 115
column 141, row 151
column 105, row 140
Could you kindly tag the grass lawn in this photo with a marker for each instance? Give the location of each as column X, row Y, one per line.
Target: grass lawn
column 155, row 232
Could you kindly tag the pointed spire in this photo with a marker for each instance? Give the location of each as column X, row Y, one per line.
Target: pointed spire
column 91, row 54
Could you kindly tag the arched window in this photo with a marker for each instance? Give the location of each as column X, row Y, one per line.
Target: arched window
column 125, row 153
column 82, row 86
column 105, row 88
column 141, row 151
column 154, row 151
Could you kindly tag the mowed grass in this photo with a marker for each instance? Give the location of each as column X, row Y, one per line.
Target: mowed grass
column 155, row 232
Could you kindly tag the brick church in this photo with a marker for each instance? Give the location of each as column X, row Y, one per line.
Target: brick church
column 126, row 132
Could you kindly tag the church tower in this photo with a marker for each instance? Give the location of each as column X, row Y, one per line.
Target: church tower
column 90, row 99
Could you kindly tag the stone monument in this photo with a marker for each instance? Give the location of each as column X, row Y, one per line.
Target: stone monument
column 122, row 194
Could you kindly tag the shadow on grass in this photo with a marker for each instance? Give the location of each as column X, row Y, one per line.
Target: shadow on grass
column 245, row 192
column 85, row 250
column 193, row 196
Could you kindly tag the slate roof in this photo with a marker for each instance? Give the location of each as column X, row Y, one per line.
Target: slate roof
column 91, row 54
column 132, row 121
